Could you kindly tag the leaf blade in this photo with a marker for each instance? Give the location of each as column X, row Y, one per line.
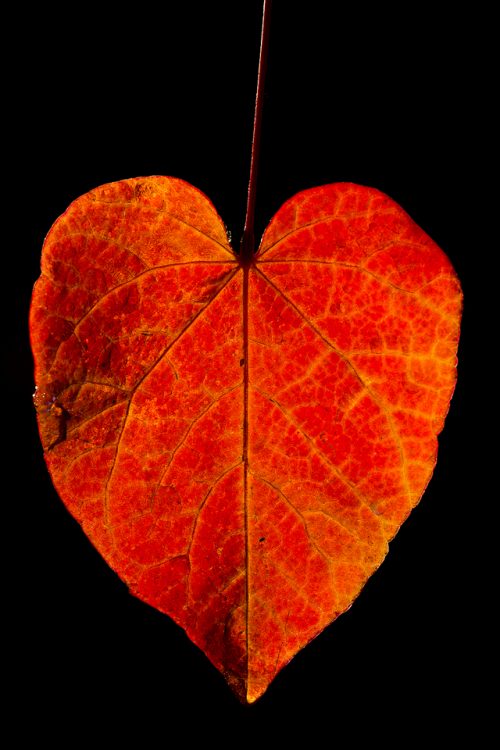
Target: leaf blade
column 241, row 443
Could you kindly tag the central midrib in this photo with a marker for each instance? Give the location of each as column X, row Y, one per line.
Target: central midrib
column 245, row 456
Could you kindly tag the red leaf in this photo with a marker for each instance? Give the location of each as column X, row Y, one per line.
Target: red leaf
column 240, row 444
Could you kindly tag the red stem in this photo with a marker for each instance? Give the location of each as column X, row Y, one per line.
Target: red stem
column 247, row 245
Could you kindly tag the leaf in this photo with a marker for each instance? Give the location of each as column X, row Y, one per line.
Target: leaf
column 241, row 441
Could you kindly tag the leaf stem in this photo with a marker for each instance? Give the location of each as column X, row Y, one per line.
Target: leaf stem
column 247, row 245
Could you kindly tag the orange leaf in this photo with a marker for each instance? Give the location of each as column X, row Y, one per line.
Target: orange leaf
column 241, row 441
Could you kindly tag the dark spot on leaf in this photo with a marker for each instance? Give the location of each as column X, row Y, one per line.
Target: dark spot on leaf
column 57, row 423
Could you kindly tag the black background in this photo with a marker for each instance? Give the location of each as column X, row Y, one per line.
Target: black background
column 350, row 97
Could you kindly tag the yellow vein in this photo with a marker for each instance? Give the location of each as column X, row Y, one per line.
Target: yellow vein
column 385, row 282
column 197, row 518
column 184, row 437
column 145, row 375
column 124, row 284
column 318, row 452
column 382, row 405
column 164, row 212
column 334, row 217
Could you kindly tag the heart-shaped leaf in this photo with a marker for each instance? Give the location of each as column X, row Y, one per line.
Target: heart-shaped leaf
column 240, row 440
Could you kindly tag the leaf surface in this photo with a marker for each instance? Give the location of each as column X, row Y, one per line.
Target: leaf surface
column 241, row 443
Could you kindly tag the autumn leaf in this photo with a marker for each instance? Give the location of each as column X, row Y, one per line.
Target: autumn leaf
column 241, row 440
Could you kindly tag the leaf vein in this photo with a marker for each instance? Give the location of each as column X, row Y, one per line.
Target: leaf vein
column 141, row 380
column 384, row 407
